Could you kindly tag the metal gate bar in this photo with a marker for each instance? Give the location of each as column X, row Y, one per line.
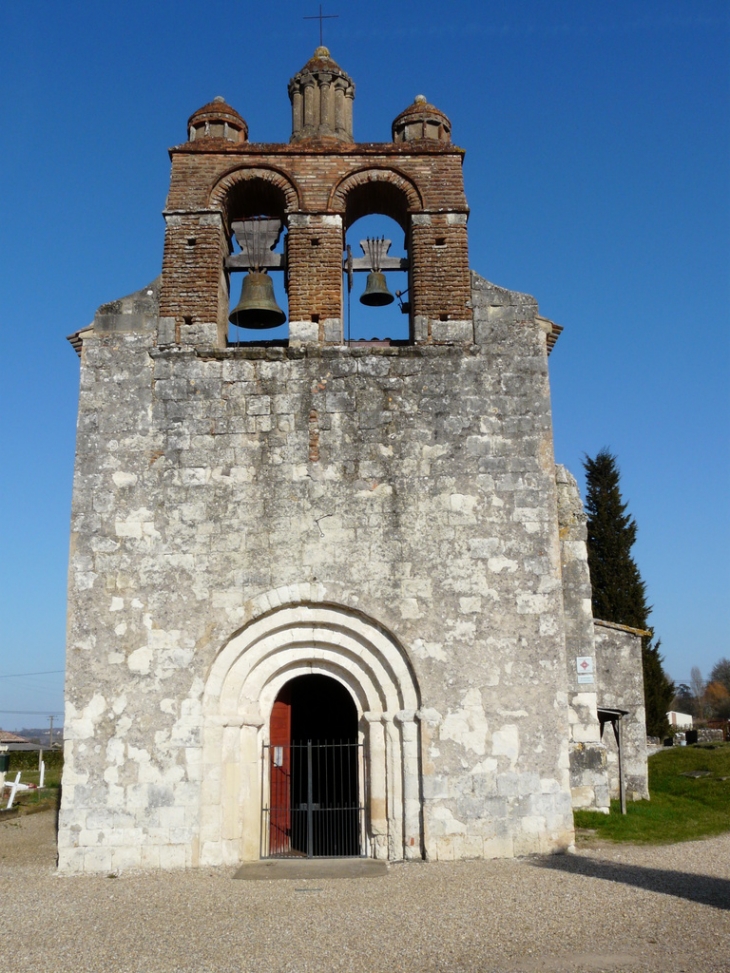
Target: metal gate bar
column 313, row 808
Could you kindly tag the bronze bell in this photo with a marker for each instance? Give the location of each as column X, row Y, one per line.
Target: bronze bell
column 376, row 293
column 257, row 307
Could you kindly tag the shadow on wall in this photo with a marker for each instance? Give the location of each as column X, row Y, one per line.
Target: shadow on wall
column 705, row 889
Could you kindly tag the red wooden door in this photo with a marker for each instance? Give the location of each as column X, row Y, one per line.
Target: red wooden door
column 280, row 774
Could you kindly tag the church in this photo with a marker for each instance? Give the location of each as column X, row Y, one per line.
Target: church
column 328, row 597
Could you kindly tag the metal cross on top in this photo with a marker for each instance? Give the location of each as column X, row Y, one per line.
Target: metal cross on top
column 320, row 17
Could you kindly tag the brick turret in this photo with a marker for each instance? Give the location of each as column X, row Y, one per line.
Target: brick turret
column 421, row 121
column 321, row 97
column 217, row 120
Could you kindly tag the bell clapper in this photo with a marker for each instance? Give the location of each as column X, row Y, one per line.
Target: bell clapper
column 376, row 293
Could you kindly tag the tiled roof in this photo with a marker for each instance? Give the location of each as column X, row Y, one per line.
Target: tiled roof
column 6, row 737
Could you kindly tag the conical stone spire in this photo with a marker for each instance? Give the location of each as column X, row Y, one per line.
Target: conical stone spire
column 321, row 97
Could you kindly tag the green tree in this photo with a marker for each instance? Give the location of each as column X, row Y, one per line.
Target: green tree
column 684, row 701
column 619, row 594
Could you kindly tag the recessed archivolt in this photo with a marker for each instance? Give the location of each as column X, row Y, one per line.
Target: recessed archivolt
column 223, row 188
column 360, row 691
column 372, row 684
column 293, row 640
column 338, row 197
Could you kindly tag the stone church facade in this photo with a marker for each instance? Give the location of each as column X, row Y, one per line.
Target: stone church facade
column 322, row 539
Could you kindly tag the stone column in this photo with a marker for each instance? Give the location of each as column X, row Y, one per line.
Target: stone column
column 296, row 112
column 377, row 792
column 411, row 785
column 210, row 795
column 231, row 784
column 429, row 721
column 325, row 92
column 340, row 108
column 242, row 796
column 349, row 98
column 309, row 109
column 394, row 758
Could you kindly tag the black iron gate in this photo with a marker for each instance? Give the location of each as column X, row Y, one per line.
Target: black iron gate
column 315, row 807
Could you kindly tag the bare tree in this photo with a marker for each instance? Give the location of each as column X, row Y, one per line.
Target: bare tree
column 698, row 687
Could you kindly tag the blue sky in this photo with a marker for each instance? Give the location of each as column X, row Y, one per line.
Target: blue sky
column 597, row 139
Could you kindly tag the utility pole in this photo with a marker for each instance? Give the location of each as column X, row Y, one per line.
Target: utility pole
column 50, row 733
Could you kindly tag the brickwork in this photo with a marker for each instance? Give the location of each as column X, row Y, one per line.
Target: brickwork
column 318, row 172
column 439, row 253
column 423, row 191
column 314, row 253
column 192, row 290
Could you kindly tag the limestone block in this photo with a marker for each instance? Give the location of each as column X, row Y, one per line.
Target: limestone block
column 452, row 331
column 446, row 849
column 172, row 856
column 499, row 847
column 149, row 857
column 435, row 787
column 303, row 332
column 166, row 331
column 71, row 860
column 508, row 785
column 332, row 329
column 96, row 860
column 100, row 819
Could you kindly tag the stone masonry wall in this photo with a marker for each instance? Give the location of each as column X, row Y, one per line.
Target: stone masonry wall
column 588, row 774
column 417, row 483
column 620, row 685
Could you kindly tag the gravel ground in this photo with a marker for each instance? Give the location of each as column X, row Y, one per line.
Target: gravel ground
column 609, row 907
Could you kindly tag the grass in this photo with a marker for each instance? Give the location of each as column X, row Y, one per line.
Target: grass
column 52, row 778
column 681, row 808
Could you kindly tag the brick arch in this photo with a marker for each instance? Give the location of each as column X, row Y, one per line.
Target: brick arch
column 226, row 184
column 364, row 177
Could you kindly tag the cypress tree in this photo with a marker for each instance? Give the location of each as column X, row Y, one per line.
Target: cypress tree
column 619, row 594
column 658, row 688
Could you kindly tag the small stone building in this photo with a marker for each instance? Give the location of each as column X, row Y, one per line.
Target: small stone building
column 325, row 597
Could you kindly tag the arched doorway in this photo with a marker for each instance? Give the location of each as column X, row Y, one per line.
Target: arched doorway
column 277, row 646
column 314, row 762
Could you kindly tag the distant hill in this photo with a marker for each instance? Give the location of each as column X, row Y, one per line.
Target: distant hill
column 40, row 735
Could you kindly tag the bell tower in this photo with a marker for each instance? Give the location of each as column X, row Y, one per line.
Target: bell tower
column 312, row 189
column 274, row 540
